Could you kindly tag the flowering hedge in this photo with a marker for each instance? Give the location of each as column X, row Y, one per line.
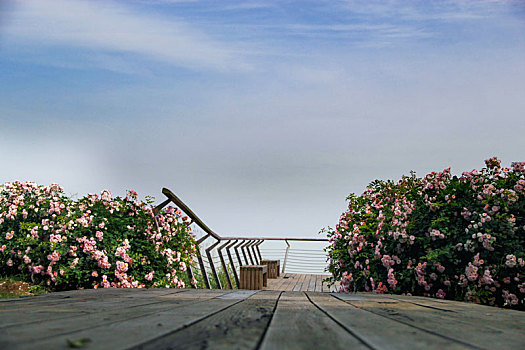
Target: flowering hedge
column 455, row 237
column 96, row 241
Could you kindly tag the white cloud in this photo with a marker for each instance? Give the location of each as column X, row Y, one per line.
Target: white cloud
column 423, row 11
column 111, row 28
column 373, row 33
column 249, row 6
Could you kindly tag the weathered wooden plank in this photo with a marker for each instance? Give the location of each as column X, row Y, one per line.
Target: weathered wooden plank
column 298, row 324
column 83, row 295
column 306, row 283
column 319, row 283
column 284, row 282
column 291, row 282
column 17, row 314
column 438, row 321
column 377, row 331
column 34, row 331
column 276, row 283
column 499, row 318
column 240, row 326
column 100, row 296
column 311, row 283
column 240, row 294
column 299, row 285
column 133, row 331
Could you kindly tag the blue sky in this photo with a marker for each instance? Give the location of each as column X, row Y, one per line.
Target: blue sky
column 261, row 115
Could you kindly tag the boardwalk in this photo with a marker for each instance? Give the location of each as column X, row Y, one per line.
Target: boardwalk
column 226, row 319
column 299, row 283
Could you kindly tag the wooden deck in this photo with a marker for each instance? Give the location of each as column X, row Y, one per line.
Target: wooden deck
column 299, row 283
column 240, row 319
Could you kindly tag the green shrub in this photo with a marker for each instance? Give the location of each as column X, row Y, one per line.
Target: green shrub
column 96, row 241
column 455, row 237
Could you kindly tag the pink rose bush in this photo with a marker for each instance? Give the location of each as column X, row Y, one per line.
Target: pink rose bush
column 444, row 236
column 98, row 241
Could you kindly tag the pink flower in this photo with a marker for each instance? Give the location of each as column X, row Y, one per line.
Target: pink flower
column 436, row 234
column 387, row 261
column 55, row 256
column 121, row 266
column 74, row 263
column 34, row 232
column 518, row 166
column 106, row 195
column 440, row 294
column 36, row 269
column 9, row 235
column 94, row 274
column 55, row 238
column 472, row 272
column 99, row 235
column 72, row 250
column 149, row 276
column 391, row 279
column 493, row 163
column 511, row 260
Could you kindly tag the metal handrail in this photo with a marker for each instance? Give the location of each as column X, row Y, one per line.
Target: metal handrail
column 249, row 246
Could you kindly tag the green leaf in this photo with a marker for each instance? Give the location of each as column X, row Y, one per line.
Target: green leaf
column 78, row 343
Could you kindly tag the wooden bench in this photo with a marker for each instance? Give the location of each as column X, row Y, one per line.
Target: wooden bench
column 273, row 267
column 253, row 277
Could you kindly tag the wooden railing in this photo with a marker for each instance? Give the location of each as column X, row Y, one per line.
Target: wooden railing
column 249, row 254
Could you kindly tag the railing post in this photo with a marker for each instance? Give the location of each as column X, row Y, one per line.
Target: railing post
column 231, row 262
column 190, row 276
column 201, row 263
column 212, row 265
column 225, row 268
column 248, row 250
column 244, row 253
column 237, row 253
column 257, row 260
column 258, row 251
column 286, row 255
